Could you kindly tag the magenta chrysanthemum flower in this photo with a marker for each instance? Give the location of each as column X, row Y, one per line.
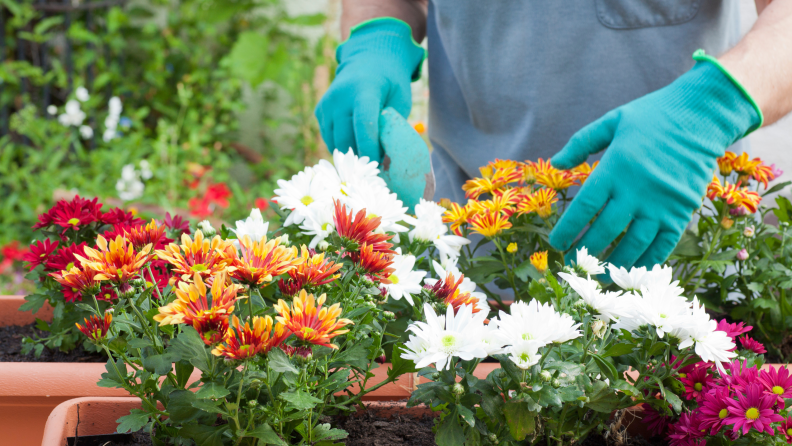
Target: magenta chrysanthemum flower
column 785, row 429
column 733, row 330
column 697, row 381
column 714, row 409
column 751, row 344
column 740, row 375
column 753, row 409
column 687, row 431
column 777, row 382
column 40, row 252
column 656, row 423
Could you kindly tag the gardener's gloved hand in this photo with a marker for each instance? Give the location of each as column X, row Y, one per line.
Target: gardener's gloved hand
column 661, row 154
column 376, row 66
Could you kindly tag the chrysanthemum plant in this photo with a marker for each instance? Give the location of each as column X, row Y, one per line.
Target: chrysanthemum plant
column 736, row 258
column 69, row 237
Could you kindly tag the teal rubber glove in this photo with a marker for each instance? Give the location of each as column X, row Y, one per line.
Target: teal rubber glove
column 661, row 154
column 376, row 65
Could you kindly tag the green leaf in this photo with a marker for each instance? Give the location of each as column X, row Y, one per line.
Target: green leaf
column 180, row 406
column 300, row 400
column 526, row 270
column 133, row 422
column 450, row 433
column 606, row 368
column 688, row 246
column 212, row 390
column 183, row 372
column 33, row 303
column 548, row 396
column 519, row 419
column 139, row 343
column 324, row 432
column 279, row 362
column 424, row 393
column 307, row 19
column 625, row 387
column 672, row 399
column 160, row 364
column 569, row 393
column 776, row 188
column 467, row 415
column 248, row 58
column 204, row 435
column 190, row 346
column 618, row 350
column 399, row 365
column 265, row 433
column 602, row 398
column 357, row 356
column 209, row 406
column 112, row 378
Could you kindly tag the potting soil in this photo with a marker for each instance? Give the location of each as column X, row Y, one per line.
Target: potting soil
column 11, row 348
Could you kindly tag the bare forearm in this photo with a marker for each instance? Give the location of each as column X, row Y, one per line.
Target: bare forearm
column 762, row 61
column 411, row 11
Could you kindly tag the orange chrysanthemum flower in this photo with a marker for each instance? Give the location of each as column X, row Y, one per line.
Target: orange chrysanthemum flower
column 744, row 166
column 360, row 228
column 492, row 179
column 245, row 342
column 540, row 202
column 79, row 280
column 733, row 195
column 725, row 163
column 117, row 261
column 310, row 322
column 458, row 215
column 140, row 236
column 262, row 260
column 204, row 257
column 583, row 171
column 539, row 261
column 314, row 270
column 375, row 263
column 556, row 179
column 489, row 224
column 447, row 291
column 192, row 306
column 501, row 201
column 529, row 169
column 764, row 174
column 96, row 328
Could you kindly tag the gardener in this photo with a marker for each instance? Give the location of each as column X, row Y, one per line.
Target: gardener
column 517, row 79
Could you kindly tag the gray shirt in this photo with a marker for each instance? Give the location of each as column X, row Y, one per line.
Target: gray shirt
column 515, row 79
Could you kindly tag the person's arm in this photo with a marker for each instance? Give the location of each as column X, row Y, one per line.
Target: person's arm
column 762, row 61
column 413, row 12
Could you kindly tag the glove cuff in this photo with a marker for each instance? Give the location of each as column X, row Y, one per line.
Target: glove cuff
column 700, row 56
column 388, row 37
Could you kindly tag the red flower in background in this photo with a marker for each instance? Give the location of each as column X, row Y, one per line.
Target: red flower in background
column 777, row 382
column 11, row 253
column 215, row 195
column 733, row 330
column 261, row 203
column 40, row 252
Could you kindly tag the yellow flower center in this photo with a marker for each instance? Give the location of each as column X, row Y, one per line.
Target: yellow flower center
column 307, row 331
column 73, row 221
column 683, row 375
column 69, row 266
column 524, row 357
column 527, row 336
column 723, row 413
column 698, row 387
column 393, row 278
column 306, row 200
column 324, row 226
column 448, row 341
column 778, row 390
column 752, row 413
column 199, row 268
column 789, row 431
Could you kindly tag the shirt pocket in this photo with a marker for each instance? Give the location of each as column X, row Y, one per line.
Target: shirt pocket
column 633, row 14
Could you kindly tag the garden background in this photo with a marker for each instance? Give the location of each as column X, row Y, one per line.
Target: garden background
column 214, row 103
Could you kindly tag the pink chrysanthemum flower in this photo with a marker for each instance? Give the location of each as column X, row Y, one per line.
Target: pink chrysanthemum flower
column 786, row 430
column 777, row 382
column 714, row 409
column 733, row 330
column 687, row 431
column 740, row 376
column 751, row 344
column 697, row 381
column 655, row 422
column 754, row 410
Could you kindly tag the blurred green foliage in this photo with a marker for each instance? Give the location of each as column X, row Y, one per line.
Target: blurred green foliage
column 223, row 87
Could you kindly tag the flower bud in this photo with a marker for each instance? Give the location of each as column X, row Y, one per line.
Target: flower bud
column 727, row 223
column 435, row 376
column 371, row 305
column 749, row 231
column 742, row 255
column 284, row 240
column 512, row 248
column 322, row 246
column 458, row 389
column 580, row 303
column 389, row 315
column 139, row 283
column 492, row 438
column 126, row 291
column 556, row 383
column 546, row 376
column 598, row 328
column 252, row 403
column 207, row 229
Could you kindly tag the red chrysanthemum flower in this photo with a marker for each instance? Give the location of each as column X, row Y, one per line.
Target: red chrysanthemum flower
column 785, row 429
column 360, row 229
column 733, row 330
column 71, row 214
column 310, row 322
column 777, row 382
column 697, row 381
column 176, row 223
column 314, row 270
column 150, row 234
column 656, row 423
column 714, row 409
column 40, row 252
column 753, row 409
column 77, row 281
column 375, row 263
column 115, row 261
column 245, row 342
column 203, row 256
column 447, row 290
column 66, row 257
column 118, row 216
column 687, row 431
column 96, row 328
column 751, row 344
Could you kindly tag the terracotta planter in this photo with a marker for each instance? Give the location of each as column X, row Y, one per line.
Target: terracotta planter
column 97, row 416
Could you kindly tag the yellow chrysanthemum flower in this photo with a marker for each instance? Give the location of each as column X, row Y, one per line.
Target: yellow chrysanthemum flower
column 540, row 202
column 512, row 248
column 202, row 256
column 539, row 261
column 489, row 224
column 116, row 261
column 309, row 321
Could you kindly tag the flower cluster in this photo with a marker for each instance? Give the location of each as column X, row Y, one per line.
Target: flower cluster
column 739, row 198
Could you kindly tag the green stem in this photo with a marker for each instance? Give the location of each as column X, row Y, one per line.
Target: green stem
column 509, row 271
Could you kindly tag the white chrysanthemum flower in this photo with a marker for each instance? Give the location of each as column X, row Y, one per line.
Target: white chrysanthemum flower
column 378, row 202
column 699, row 330
column 404, row 281
column 86, row 132
column 304, row 189
column 352, row 169
column 428, row 227
column 81, row 93
column 638, row 277
column 536, row 322
column 318, row 223
column 588, row 264
column 524, row 354
column 73, row 115
column 254, row 226
column 608, row 305
column 449, row 336
column 659, row 306
column 145, row 170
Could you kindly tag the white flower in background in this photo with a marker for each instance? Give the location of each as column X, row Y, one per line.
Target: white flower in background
column 206, row 227
column 129, row 186
column 449, row 266
column 588, row 264
column 378, row 202
column 524, row 354
column 609, row 305
column 145, row 170
column 534, row 322
column 306, row 188
column 86, row 132
column 81, row 94
column 114, row 107
column 52, row 110
column 318, row 223
column 448, row 337
column 404, row 281
column 73, row 115
column 254, row 226
column 429, row 227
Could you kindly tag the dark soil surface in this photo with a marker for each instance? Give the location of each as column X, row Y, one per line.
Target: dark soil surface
column 599, row 440
column 133, row 439
column 11, row 348
column 370, row 430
